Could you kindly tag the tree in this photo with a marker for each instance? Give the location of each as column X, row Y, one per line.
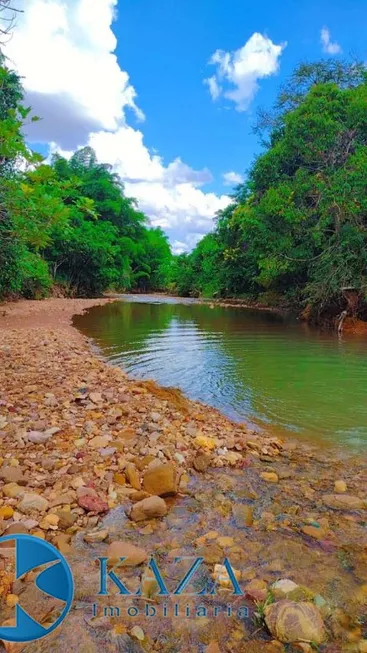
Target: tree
column 297, row 227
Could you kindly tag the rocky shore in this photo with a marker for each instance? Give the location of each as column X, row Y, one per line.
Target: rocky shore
column 102, row 465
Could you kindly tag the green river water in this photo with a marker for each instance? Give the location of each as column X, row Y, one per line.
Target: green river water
column 255, row 366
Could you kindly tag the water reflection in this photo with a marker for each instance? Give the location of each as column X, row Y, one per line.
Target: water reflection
column 252, row 365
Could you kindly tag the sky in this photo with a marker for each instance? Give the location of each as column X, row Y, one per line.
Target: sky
column 167, row 91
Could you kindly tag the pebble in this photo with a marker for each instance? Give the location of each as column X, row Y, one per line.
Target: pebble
column 96, row 536
column 340, row 486
column 344, row 502
column 134, row 555
column 148, row 509
column 32, row 502
column 6, row 512
column 269, row 477
column 89, row 500
column 201, row 463
column 137, row 633
column 161, row 479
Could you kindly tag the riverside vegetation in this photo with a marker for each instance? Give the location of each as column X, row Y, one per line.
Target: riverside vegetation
column 294, row 234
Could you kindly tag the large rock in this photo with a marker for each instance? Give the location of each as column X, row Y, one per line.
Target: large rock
column 343, row 502
column 134, row 555
column 295, row 622
column 148, row 509
column 161, row 480
column 32, row 502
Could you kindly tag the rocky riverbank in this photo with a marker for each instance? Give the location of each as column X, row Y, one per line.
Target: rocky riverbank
column 101, row 465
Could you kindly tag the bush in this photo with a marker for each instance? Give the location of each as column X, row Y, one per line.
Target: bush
column 34, row 276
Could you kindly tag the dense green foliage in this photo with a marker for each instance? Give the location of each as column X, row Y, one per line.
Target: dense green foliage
column 295, row 230
column 297, row 226
column 68, row 223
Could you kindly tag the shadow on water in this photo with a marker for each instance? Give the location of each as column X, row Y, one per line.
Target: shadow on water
column 255, row 366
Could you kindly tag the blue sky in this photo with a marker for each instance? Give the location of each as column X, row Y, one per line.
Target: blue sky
column 166, row 45
column 128, row 78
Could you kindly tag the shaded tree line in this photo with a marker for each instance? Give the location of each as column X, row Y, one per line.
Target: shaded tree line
column 296, row 230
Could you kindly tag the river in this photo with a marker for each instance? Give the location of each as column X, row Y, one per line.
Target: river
column 255, row 366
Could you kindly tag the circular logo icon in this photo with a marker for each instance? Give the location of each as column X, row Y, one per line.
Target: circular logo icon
column 54, row 580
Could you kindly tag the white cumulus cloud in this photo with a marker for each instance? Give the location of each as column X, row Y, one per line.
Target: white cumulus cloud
column 329, row 46
column 238, row 73
column 232, row 178
column 65, row 52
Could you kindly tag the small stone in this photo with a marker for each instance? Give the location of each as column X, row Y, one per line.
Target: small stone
column 132, row 476
column 225, row 541
column 119, row 479
column 212, row 554
column 213, row 647
column 6, row 512
column 283, row 587
column 243, row 514
column 99, row 441
column 52, row 519
column 201, row 463
column 313, row 531
column 12, row 490
column 13, row 529
column 96, row 397
column 12, row 600
column 161, row 479
column 134, row 555
column 139, row 495
column 340, row 487
column 221, row 575
column 77, row 482
column 48, row 463
column 155, row 417
column 12, row 475
column 89, row 500
column 343, row 502
column 137, row 633
column 38, row 437
column 148, row 509
column 96, row 536
column 127, row 434
column 33, row 502
column 62, row 542
column 205, row 442
column 256, row 590
column 269, row 477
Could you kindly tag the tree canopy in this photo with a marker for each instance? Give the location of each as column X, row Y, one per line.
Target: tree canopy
column 297, row 227
column 68, row 223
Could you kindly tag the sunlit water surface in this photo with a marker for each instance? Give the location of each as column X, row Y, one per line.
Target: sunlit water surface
column 255, row 366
